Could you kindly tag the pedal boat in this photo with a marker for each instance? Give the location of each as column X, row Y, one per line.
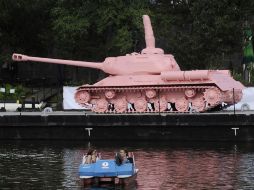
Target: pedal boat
column 107, row 171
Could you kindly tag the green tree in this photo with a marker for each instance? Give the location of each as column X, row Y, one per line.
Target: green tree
column 201, row 33
column 96, row 29
column 24, row 26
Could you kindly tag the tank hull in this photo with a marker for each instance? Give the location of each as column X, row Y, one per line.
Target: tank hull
column 157, row 93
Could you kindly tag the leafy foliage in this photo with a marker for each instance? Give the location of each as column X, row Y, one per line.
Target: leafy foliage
column 200, row 34
column 19, row 91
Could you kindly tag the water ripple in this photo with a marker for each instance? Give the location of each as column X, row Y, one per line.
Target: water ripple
column 34, row 165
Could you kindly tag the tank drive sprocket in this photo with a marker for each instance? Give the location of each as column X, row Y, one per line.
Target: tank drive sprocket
column 212, row 96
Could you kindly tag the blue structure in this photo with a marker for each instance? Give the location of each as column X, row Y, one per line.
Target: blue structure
column 106, row 168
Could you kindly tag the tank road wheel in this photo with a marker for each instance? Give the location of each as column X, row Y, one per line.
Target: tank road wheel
column 150, row 93
column 101, row 105
column 120, row 105
column 82, row 97
column 159, row 104
column 140, row 105
column 190, row 93
column 198, row 103
column 212, row 96
column 182, row 104
column 110, row 94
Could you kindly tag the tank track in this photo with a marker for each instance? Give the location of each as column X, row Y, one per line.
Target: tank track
column 183, row 99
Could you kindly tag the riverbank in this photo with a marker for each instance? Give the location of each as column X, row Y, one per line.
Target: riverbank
column 222, row 126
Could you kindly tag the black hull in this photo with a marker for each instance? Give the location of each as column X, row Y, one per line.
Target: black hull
column 109, row 180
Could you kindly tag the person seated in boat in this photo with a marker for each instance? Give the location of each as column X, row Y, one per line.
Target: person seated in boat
column 123, row 158
column 90, row 157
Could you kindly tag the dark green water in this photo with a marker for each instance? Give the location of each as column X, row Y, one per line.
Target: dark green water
column 189, row 165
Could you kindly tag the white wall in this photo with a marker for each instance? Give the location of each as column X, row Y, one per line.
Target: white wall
column 68, row 99
column 248, row 98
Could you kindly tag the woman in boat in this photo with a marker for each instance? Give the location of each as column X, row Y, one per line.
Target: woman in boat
column 123, row 158
column 90, row 157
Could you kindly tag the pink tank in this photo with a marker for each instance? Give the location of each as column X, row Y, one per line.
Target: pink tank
column 151, row 81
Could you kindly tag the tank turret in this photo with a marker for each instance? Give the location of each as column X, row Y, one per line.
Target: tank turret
column 151, row 81
column 151, row 60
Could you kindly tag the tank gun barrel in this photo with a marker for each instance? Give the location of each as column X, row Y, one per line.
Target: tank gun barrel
column 149, row 37
column 20, row 57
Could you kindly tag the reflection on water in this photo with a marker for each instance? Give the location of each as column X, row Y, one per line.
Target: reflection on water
column 54, row 165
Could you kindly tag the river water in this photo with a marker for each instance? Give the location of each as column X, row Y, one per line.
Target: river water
column 162, row 165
